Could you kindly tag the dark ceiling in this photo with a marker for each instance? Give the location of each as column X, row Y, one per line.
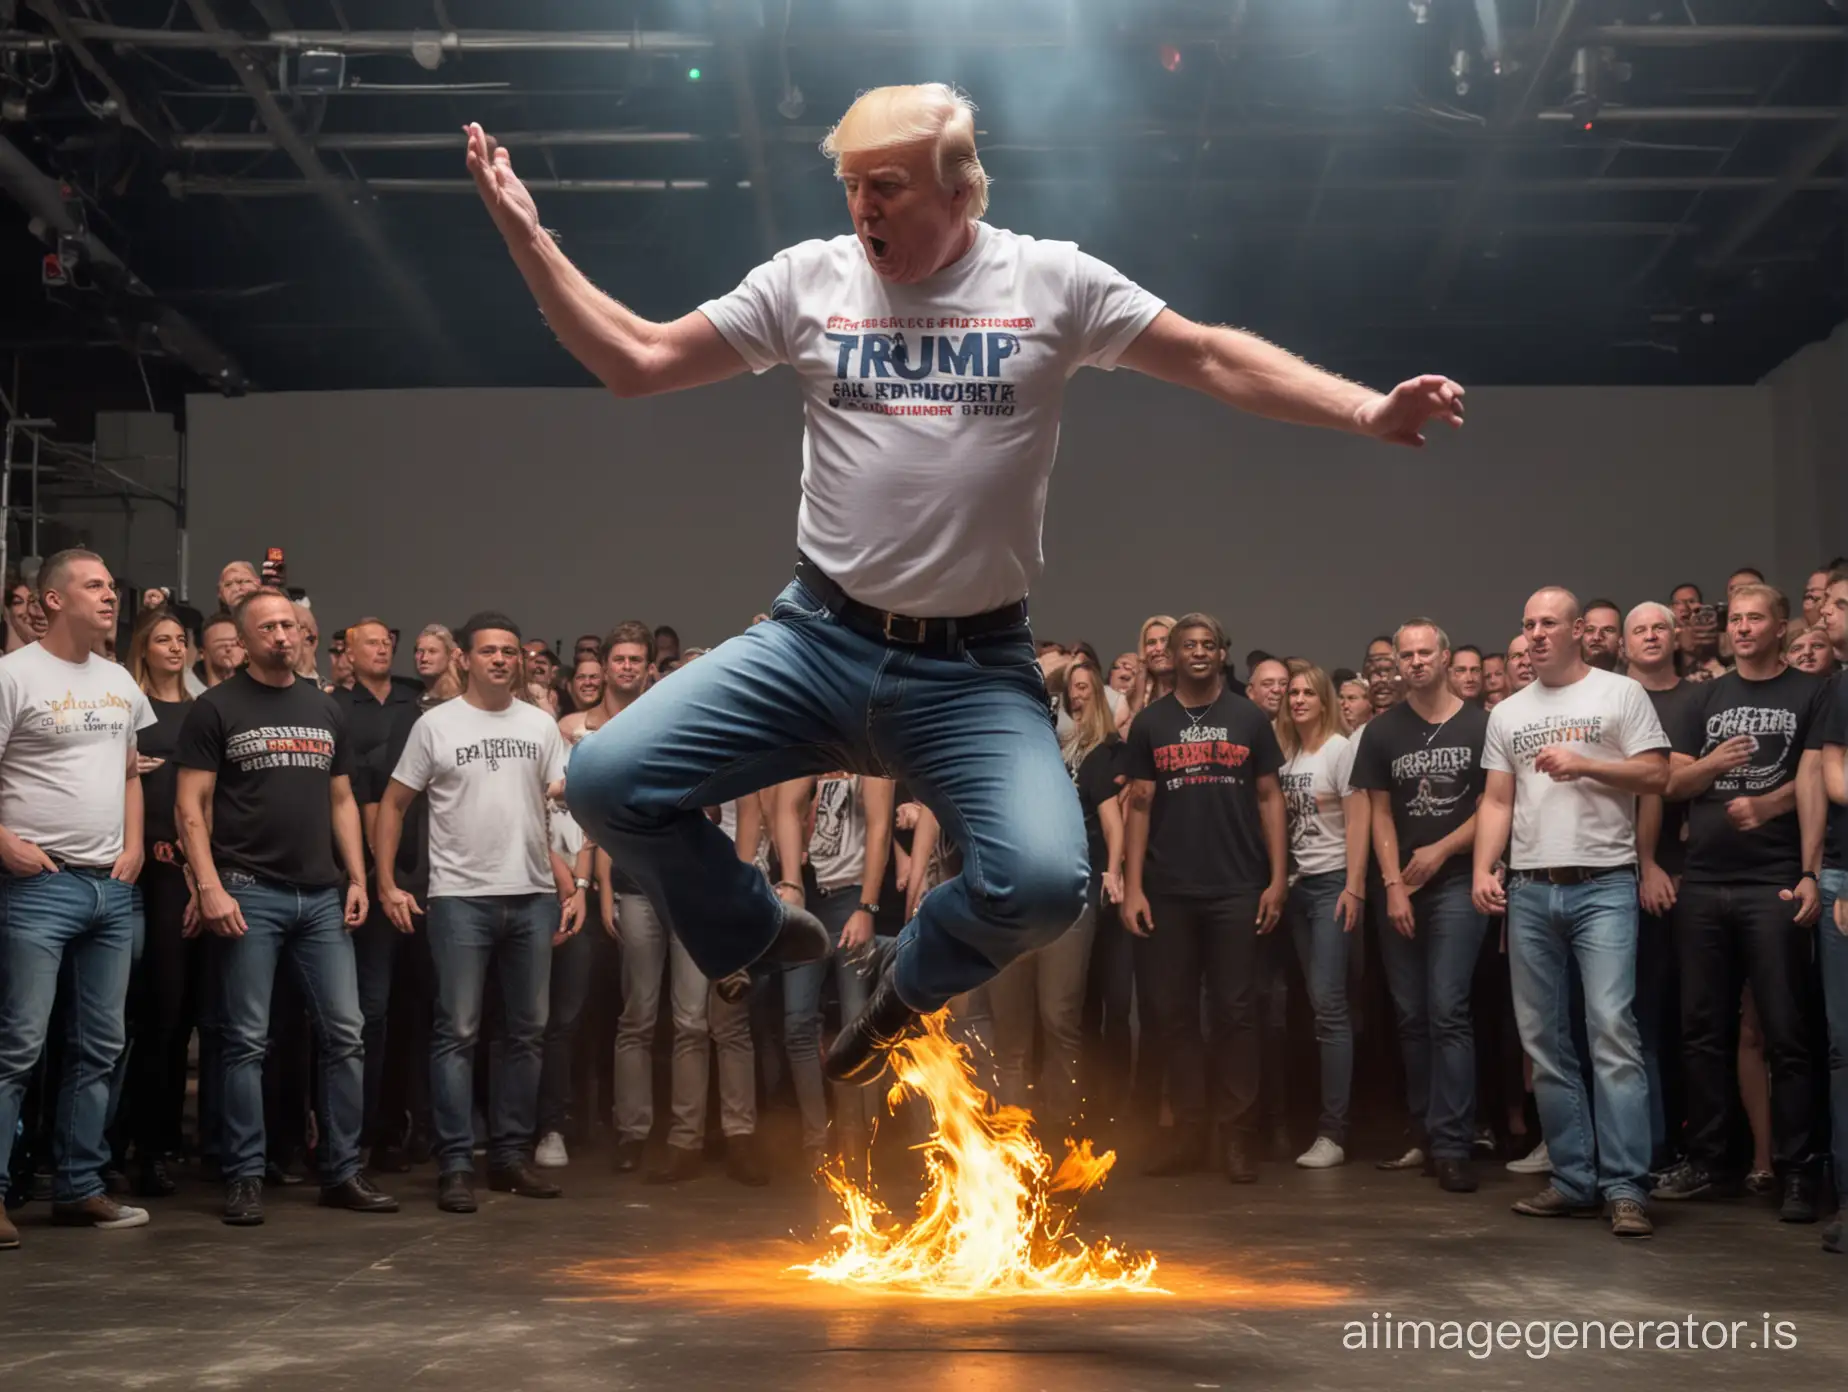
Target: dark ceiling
column 1525, row 191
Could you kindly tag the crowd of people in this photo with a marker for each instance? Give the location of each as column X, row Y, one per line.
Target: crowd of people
column 1597, row 878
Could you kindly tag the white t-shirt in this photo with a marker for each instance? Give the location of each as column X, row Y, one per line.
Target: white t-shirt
column 567, row 837
column 1313, row 787
column 66, row 729
column 837, row 845
column 1583, row 823
column 486, row 773
column 931, row 411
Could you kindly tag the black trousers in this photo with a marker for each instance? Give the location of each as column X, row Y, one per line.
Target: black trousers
column 1728, row 935
column 1109, row 985
column 154, row 1088
column 1210, row 942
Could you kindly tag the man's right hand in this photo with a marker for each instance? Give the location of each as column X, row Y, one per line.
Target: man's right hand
column 507, row 200
column 1734, row 753
column 22, row 858
column 1399, row 911
column 1486, row 894
column 1655, row 891
column 1137, row 916
column 221, row 912
column 399, row 905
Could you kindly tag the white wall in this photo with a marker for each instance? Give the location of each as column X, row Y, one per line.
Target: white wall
column 573, row 510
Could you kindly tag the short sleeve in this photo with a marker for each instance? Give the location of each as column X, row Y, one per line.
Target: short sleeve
column 1835, row 726
column 754, row 317
column 1642, row 731
column 1366, row 770
column 417, row 765
column 1112, row 311
column 1689, row 735
column 1341, row 766
column 9, row 707
column 1495, row 755
column 144, row 710
column 343, row 746
column 1822, row 703
column 552, row 753
column 1139, row 757
column 1266, row 753
column 202, row 737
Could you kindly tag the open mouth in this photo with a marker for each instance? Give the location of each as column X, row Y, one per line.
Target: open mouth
column 878, row 245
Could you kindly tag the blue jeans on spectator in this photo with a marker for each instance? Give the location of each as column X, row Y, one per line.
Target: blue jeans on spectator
column 515, row 932
column 1599, row 1146
column 1429, row 975
column 85, row 923
column 1833, row 945
column 802, row 1022
column 968, row 729
column 569, row 990
column 1323, row 949
column 307, row 927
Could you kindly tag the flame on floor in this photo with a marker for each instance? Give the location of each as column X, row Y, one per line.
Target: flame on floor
column 990, row 1222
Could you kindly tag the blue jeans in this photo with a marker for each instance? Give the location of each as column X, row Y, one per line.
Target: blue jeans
column 1429, row 975
column 1833, row 944
column 515, row 931
column 86, row 924
column 572, row 963
column 1323, row 949
column 306, row 926
column 802, row 1022
column 969, row 730
column 1593, row 925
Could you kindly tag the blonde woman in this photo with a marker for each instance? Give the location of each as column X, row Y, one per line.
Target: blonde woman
column 1155, row 679
column 435, row 658
column 1329, row 826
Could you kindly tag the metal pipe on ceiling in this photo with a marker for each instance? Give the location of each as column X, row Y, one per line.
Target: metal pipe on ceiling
column 1698, row 35
column 364, row 41
column 290, row 188
column 250, row 142
column 1613, row 115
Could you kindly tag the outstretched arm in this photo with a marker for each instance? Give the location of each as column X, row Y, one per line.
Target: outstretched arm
column 1243, row 370
column 630, row 355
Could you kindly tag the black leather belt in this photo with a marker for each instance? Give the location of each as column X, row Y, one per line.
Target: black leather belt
column 1571, row 874
column 883, row 626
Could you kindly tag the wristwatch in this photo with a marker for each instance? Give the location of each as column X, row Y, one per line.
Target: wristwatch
column 1808, row 875
column 872, row 909
column 581, row 882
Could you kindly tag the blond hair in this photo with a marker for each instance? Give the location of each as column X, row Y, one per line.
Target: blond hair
column 1288, row 737
column 887, row 117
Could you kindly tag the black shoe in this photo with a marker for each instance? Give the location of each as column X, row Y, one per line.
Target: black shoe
column 1799, row 1204
column 743, row 1163
column 357, row 1196
column 1456, row 1177
column 391, row 1159
column 244, row 1202
column 274, row 1174
column 1686, row 1181
column 1238, row 1166
column 453, row 1194
column 154, row 1181
column 858, row 1053
column 523, row 1180
column 1186, row 1154
column 1832, row 1237
column 679, row 1163
column 628, row 1156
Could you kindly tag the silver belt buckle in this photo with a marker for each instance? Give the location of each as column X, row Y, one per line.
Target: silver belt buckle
column 917, row 634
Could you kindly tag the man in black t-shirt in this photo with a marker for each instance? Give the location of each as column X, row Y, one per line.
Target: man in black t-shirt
column 1832, row 927
column 1649, row 647
column 1421, row 764
column 1746, row 760
column 1206, row 872
column 264, row 798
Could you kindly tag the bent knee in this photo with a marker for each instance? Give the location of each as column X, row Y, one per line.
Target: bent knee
column 1041, row 897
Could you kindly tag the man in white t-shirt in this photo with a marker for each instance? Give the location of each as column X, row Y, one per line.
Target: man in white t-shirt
column 1567, row 757
column 933, row 352
column 70, row 852
column 487, row 762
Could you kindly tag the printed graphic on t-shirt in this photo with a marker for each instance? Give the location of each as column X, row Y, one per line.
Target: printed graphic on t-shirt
column 1772, row 731
column 281, row 746
column 925, row 365
column 1528, row 740
column 492, row 751
column 833, row 813
column 1300, row 808
column 1443, row 776
column 1201, row 756
column 70, row 716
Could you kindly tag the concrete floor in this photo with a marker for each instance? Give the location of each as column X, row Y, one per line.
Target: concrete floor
column 621, row 1285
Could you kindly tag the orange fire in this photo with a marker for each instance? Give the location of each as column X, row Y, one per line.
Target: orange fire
column 988, row 1223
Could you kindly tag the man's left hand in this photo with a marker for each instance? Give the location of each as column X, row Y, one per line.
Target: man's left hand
column 1400, row 416
column 858, row 932
column 1559, row 764
column 1270, row 906
column 127, row 867
column 355, row 904
column 570, row 919
column 1808, row 899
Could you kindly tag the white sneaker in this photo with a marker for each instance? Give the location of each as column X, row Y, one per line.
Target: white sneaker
column 1413, row 1159
column 1323, row 1155
column 1534, row 1162
column 550, row 1153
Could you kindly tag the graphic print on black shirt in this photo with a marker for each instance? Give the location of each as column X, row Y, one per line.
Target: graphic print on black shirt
column 1096, row 780
column 1433, row 773
column 276, row 751
column 1205, row 836
column 1779, row 715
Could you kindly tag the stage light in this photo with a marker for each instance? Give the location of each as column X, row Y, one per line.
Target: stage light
column 1459, row 69
column 1170, row 57
column 693, row 74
